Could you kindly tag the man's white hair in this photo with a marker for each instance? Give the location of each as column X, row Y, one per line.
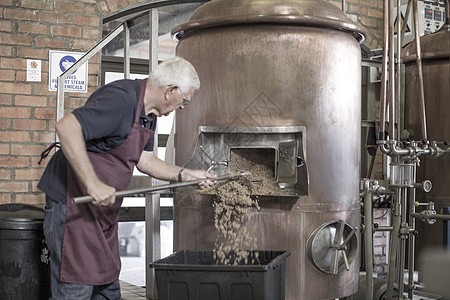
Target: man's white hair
column 176, row 71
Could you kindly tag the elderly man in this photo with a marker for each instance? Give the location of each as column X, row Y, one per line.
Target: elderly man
column 101, row 144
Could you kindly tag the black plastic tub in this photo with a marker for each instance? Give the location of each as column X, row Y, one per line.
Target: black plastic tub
column 193, row 274
column 23, row 274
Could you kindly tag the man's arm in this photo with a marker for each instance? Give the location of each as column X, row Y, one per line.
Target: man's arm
column 72, row 143
column 153, row 166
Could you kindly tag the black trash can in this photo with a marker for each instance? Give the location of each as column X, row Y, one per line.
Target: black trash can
column 24, row 269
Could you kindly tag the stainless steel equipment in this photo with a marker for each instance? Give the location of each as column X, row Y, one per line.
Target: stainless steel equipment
column 283, row 75
column 435, row 56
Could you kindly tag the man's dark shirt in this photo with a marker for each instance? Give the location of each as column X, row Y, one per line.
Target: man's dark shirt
column 106, row 120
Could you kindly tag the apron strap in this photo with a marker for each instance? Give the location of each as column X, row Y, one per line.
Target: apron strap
column 46, row 152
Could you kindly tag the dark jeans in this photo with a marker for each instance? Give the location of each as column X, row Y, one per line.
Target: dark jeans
column 55, row 215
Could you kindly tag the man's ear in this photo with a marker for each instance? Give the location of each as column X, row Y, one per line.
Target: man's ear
column 172, row 88
column 168, row 91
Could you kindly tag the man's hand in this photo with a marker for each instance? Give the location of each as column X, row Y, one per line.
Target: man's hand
column 74, row 148
column 102, row 193
column 153, row 166
column 189, row 174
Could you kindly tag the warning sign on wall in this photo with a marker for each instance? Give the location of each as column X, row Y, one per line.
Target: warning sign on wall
column 59, row 62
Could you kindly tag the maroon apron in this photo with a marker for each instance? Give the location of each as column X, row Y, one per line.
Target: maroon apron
column 90, row 249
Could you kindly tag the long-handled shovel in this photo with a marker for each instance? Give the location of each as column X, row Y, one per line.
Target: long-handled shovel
column 86, row 199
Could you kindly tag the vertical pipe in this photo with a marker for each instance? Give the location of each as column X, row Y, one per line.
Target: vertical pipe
column 152, row 207
column 60, row 98
column 59, row 102
column 423, row 117
column 384, row 71
column 368, row 244
column 411, row 241
column 392, row 110
column 398, row 73
column 394, row 245
column 126, row 50
column 405, row 23
column 401, row 258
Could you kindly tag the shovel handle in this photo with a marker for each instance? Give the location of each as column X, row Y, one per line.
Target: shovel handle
column 87, row 199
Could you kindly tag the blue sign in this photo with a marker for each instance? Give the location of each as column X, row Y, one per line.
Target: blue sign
column 59, row 62
column 66, row 62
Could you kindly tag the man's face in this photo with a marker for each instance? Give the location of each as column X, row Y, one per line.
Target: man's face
column 174, row 99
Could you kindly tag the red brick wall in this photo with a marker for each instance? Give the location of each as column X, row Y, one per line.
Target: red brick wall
column 368, row 14
column 382, row 217
column 28, row 30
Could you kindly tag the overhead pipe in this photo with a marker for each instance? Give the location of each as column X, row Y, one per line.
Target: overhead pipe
column 388, row 65
column 391, row 91
column 423, row 117
column 405, row 23
column 391, row 148
column 398, row 90
column 384, row 71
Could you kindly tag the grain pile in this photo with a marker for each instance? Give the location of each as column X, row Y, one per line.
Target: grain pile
column 237, row 200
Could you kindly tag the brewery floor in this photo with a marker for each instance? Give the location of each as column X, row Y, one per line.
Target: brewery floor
column 131, row 292
column 134, row 292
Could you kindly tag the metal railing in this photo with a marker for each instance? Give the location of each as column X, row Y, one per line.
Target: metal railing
column 84, row 59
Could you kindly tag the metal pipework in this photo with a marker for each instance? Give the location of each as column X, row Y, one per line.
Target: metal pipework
column 384, row 70
column 366, row 188
column 390, row 148
column 408, row 9
column 383, row 228
column 374, row 187
column 398, row 90
column 435, row 52
column 388, row 61
column 368, row 242
column 411, row 240
column 371, row 190
column 394, row 246
column 423, row 117
column 392, row 100
column 403, row 235
column 430, row 215
column 389, row 58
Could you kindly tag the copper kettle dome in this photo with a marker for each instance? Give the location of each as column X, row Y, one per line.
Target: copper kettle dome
column 316, row 13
